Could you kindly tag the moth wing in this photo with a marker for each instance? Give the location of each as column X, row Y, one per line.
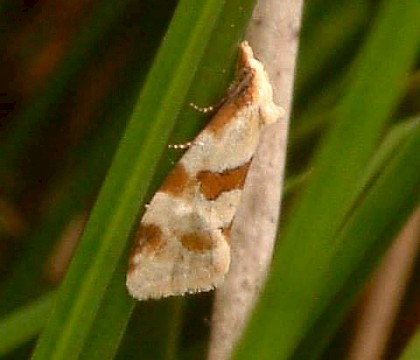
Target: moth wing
column 183, row 252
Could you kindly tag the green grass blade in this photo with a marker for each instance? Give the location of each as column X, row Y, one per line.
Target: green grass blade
column 111, row 320
column 214, row 71
column 285, row 311
column 375, row 223
column 322, row 47
column 412, row 351
column 395, row 138
column 109, row 226
column 24, row 323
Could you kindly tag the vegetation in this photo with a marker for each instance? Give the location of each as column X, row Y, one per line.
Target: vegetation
column 94, row 93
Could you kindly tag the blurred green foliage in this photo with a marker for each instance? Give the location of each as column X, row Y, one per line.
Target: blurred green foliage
column 71, row 78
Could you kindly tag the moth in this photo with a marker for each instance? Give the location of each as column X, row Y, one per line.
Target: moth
column 182, row 244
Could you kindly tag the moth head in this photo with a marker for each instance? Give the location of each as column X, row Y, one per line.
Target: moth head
column 259, row 85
